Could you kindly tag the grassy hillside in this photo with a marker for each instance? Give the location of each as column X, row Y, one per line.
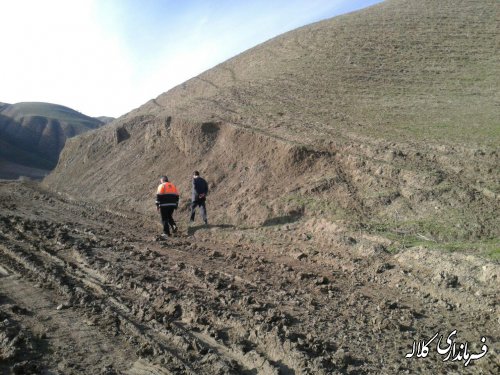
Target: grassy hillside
column 33, row 134
column 23, row 157
column 385, row 119
column 78, row 121
column 404, row 69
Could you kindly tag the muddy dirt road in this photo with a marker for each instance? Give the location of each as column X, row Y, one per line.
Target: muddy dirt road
column 84, row 290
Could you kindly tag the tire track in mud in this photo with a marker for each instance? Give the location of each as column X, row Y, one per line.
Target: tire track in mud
column 73, row 279
column 102, row 300
column 242, row 308
column 207, row 278
column 60, row 343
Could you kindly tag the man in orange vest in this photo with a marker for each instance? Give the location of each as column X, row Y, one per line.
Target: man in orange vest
column 167, row 200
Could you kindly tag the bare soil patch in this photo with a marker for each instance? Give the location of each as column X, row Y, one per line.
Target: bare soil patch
column 86, row 290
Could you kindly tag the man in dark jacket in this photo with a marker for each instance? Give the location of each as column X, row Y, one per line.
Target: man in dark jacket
column 167, row 200
column 199, row 196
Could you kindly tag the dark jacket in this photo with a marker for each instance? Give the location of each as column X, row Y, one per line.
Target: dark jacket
column 200, row 189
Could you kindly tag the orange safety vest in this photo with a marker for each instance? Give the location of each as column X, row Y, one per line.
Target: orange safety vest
column 167, row 188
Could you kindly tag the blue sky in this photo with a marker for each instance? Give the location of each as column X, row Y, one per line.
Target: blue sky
column 107, row 57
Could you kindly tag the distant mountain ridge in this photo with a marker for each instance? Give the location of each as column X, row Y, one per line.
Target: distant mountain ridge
column 32, row 134
column 105, row 119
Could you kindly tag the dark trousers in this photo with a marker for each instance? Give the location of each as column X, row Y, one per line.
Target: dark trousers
column 203, row 209
column 167, row 219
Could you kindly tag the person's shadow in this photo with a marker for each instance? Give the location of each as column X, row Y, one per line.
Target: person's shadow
column 193, row 229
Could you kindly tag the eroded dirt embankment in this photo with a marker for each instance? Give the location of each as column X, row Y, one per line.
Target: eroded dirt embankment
column 88, row 290
column 442, row 193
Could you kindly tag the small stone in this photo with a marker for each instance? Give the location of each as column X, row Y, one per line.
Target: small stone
column 215, row 254
column 300, row 256
column 322, row 280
